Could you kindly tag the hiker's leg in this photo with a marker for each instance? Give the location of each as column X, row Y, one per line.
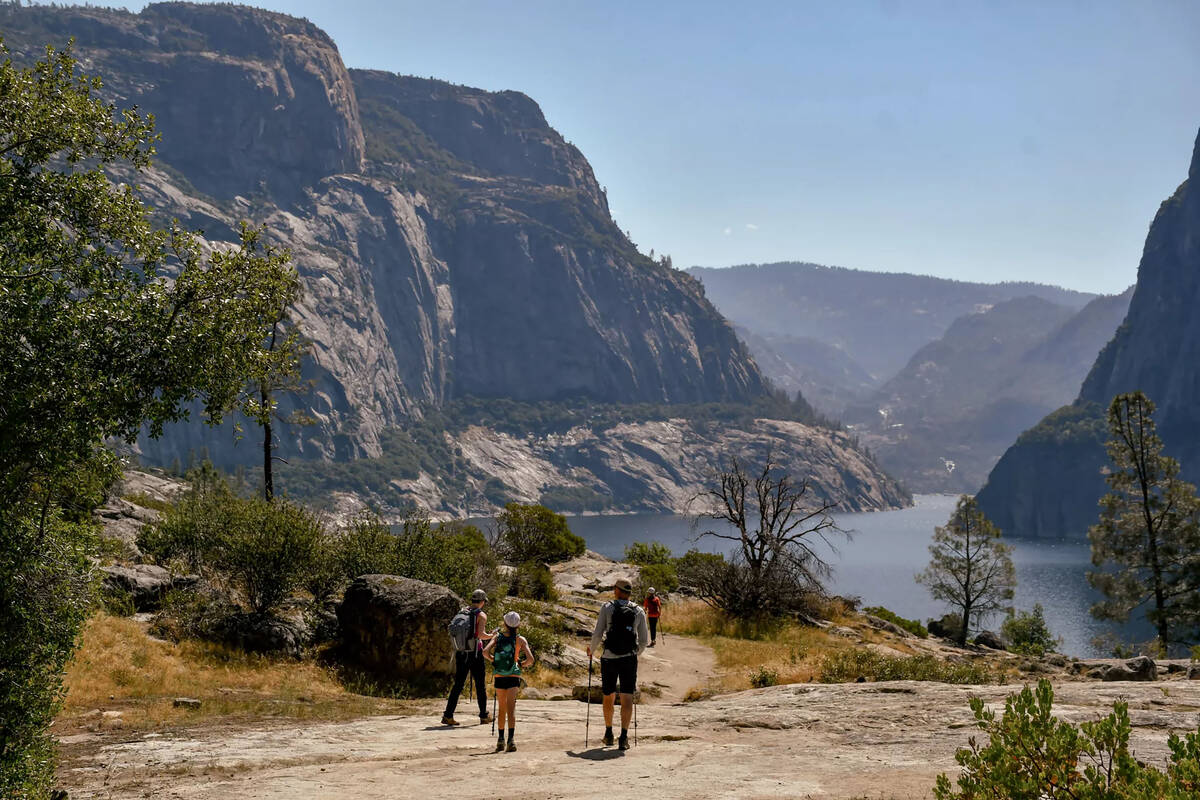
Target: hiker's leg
column 628, row 687
column 512, row 707
column 608, row 688
column 501, row 708
column 460, row 676
column 653, row 628
column 479, row 675
column 626, row 710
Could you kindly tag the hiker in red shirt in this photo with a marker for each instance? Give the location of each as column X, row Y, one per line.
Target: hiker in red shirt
column 653, row 604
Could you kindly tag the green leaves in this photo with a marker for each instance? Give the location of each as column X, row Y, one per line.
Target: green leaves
column 1032, row 755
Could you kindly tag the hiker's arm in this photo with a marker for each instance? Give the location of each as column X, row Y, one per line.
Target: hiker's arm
column 487, row 651
column 481, row 633
column 598, row 633
column 526, row 653
column 643, row 633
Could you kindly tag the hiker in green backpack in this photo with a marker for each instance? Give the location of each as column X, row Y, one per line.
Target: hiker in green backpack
column 622, row 628
column 509, row 652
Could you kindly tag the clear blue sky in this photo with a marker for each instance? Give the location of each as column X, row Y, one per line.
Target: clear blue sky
column 974, row 140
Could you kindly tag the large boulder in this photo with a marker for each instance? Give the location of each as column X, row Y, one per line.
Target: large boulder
column 395, row 628
column 1141, row 668
column 992, row 640
column 145, row 584
column 265, row 633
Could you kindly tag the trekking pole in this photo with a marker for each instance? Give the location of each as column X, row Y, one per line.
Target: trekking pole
column 635, row 705
column 493, row 711
column 587, row 726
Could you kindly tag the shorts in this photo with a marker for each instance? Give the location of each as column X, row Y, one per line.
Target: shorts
column 622, row 669
column 508, row 681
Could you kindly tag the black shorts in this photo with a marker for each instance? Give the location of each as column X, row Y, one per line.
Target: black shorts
column 508, row 681
column 622, row 669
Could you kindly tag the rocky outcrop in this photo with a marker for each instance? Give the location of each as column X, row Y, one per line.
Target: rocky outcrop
column 1052, row 491
column 144, row 584
column 395, row 628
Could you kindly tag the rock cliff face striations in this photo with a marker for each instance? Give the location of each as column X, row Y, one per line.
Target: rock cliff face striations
column 1049, row 482
column 450, row 241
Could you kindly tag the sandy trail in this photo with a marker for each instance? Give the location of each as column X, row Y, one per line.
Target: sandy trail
column 886, row 740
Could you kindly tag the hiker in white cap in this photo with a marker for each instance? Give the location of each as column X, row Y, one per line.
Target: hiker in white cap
column 509, row 652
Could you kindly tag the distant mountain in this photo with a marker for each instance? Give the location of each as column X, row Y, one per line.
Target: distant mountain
column 823, row 373
column 878, row 319
column 942, row 422
column 1049, row 482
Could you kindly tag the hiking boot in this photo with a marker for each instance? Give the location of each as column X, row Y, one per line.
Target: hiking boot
column 608, row 740
column 485, row 718
column 652, row 643
column 512, row 746
column 449, row 721
column 623, row 743
column 500, row 745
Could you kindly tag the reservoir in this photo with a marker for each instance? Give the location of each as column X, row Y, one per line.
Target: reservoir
column 887, row 549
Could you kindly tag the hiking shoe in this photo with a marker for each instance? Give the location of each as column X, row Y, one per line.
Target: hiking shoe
column 449, row 721
column 500, row 746
column 512, row 746
column 652, row 644
column 608, row 740
column 484, row 719
column 623, row 743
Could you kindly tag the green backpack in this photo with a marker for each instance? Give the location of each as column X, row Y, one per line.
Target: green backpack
column 504, row 658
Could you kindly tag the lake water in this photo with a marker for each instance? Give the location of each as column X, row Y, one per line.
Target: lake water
column 887, row 549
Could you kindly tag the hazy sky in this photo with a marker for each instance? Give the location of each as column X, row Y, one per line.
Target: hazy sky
column 981, row 141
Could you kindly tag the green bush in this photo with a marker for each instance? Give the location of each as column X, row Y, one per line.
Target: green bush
column 533, row 581
column 535, row 533
column 191, row 530
column 1028, row 634
column 269, row 551
column 693, row 566
column 910, row 625
column 648, row 553
column 1031, row 754
column 763, row 677
column 847, row 666
column 661, row 576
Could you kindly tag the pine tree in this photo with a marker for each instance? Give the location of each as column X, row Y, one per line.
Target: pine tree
column 1148, row 538
column 970, row 568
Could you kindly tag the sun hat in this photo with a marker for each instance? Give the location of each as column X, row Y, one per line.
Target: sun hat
column 651, row 591
column 623, row 584
column 512, row 619
column 478, row 596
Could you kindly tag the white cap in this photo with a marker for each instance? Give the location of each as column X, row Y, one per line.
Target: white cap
column 512, row 619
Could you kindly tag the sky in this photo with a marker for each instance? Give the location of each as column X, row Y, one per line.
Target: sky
column 982, row 141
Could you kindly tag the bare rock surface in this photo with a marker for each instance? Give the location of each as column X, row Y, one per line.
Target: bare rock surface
column 837, row 741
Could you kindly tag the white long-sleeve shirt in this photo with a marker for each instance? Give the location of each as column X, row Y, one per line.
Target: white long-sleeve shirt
column 605, row 619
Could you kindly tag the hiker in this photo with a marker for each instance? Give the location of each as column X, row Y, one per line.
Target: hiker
column 621, row 627
column 468, row 631
column 653, row 604
column 509, row 652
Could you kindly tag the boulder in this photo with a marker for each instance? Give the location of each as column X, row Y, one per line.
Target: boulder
column 1141, row 668
column 145, row 584
column 265, row 633
column 881, row 624
column 395, row 628
column 991, row 639
column 947, row 627
column 1193, row 672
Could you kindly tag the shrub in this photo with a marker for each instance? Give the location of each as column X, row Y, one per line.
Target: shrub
column 763, row 677
column 910, row 625
column 646, row 554
column 1031, row 754
column 734, row 587
column 694, row 566
column 533, row 581
column 535, row 533
column 269, row 551
column 191, row 530
column 661, row 576
column 367, row 547
column 1028, row 634
column 847, row 666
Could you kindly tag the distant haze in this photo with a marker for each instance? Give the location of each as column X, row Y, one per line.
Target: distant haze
column 977, row 141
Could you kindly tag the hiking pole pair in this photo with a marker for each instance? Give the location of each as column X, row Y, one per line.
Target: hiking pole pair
column 587, row 726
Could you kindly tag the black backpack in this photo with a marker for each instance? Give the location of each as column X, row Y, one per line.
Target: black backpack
column 621, row 639
column 462, row 629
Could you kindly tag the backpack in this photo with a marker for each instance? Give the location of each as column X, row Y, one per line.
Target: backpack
column 621, row 639
column 504, row 657
column 462, row 630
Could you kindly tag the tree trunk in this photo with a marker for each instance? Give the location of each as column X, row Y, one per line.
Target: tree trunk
column 966, row 623
column 268, row 477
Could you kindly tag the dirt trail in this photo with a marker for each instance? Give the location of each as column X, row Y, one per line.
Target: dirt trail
column 885, row 740
column 675, row 665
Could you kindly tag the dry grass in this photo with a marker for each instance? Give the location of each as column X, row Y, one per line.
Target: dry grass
column 118, row 667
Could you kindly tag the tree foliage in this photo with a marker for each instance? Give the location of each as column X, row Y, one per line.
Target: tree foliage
column 1031, row 754
column 535, row 533
column 108, row 327
column 1147, row 540
column 1027, row 632
column 971, row 569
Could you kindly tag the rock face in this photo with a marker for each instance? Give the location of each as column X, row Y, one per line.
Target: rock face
column 145, row 584
column 1049, row 482
column 395, row 628
column 943, row 421
column 450, row 242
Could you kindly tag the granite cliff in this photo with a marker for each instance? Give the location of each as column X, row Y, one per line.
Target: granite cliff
column 1049, row 482
column 451, row 244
